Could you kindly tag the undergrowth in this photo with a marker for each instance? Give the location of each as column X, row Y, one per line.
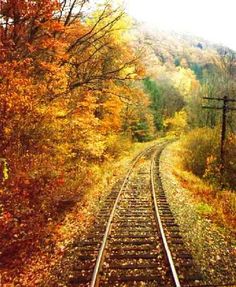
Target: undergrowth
column 212, row 201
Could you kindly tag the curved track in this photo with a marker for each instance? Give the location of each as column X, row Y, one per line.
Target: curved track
column 135, row 249
column 129, row 244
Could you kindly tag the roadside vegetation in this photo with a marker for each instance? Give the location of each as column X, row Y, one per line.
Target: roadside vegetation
column 198, row 168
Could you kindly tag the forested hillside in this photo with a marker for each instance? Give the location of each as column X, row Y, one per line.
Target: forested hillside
column 186, row 69
column 185, row 75
column 79, row 85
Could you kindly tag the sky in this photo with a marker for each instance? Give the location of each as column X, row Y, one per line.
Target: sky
column 213, row 20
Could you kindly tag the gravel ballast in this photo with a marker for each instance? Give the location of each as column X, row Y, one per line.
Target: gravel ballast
column 212, row 248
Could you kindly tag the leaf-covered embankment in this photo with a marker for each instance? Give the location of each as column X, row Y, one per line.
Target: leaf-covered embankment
column 39, row 267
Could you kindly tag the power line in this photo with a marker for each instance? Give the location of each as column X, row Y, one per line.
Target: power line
column 225, row 109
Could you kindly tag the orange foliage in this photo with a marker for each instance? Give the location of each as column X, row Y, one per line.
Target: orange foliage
column 64, row 84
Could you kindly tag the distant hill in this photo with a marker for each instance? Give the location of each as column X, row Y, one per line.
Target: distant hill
column 171, row 48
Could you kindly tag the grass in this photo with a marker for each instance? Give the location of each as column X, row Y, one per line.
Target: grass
column 204, row 209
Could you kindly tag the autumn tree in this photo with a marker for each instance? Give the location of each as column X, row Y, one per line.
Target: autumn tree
column 66, row 77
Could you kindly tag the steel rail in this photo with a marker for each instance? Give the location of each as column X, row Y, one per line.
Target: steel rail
column 166, row 246
column 108, row 227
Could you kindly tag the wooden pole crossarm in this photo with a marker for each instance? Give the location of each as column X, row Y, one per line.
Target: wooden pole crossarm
column 219, row 108
column 219, row 99
column 209, row 98
column 214, row 108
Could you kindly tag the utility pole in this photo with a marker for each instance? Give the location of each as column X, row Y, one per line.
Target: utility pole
column 223, row 131
column 225, row 109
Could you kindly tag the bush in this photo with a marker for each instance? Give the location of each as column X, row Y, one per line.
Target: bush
column 199, row 145
column 202, row 156
column 177, row 124
column 212, row 201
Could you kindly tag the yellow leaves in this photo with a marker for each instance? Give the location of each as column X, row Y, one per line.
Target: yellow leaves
column 5, row 170
column 63, row 149
column 178, row 123
column 185, row 81
column 129, row 72
column 7, row 131
column 97, row 146
column 61, row 113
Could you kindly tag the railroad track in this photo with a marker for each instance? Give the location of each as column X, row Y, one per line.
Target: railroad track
column 135, row 240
